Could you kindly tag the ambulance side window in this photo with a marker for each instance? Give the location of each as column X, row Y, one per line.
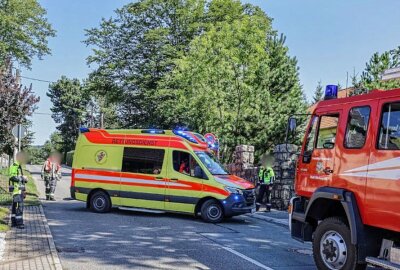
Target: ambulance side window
column 357, row 127
column 185, row 163
column 389, row 130
column 142, row 160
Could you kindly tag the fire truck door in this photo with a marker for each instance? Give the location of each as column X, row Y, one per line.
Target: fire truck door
column 322, row 165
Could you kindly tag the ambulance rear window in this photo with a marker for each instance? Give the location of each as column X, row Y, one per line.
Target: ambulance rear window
column 142, row 160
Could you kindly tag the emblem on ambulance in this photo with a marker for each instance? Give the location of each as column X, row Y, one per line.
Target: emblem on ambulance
column 101, row 156
column 320, row 167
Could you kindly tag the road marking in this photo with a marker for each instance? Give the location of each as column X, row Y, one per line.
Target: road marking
column 246, row 258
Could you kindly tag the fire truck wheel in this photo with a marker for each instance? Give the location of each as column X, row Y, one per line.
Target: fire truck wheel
column 211, row 211
column 100, row 202
column 332, row 248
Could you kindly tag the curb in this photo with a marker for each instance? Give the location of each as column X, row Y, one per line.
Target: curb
column 49, row 236
column 281, row 222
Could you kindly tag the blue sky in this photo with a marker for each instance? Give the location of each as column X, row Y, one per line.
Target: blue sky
column 329, row 38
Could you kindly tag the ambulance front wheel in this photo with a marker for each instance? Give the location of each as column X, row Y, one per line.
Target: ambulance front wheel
column 100, row 202
column 212, row 212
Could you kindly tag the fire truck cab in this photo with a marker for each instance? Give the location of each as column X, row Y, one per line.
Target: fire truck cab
column 348, row 182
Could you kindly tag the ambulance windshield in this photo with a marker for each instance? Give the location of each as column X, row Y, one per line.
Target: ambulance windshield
column 211, row 163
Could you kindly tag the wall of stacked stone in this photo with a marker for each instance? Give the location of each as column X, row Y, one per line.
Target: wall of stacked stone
column 285, row 156
column 243, row 163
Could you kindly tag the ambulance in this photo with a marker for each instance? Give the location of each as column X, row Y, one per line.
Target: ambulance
column 156, row 170
column 348, row 181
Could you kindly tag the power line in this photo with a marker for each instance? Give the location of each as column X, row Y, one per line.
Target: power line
column 34, row 79
column 41, row 113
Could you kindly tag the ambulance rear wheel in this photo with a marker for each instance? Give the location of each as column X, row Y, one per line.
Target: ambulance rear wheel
column 212, row 212
column 100, row 202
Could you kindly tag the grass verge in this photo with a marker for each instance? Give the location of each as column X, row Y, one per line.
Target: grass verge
column 4, row 211
column 32, row 195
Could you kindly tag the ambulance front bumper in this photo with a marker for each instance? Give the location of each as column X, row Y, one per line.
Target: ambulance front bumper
column 238, row 204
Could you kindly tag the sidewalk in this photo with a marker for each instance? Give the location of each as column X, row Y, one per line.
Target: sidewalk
column 274, row 216
column 31, row 248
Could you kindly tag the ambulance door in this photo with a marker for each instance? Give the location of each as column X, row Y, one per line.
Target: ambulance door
column 184, row 188
column 317, row 162
column 383, row 177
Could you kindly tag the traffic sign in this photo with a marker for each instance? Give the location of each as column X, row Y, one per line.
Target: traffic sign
column 22, row 131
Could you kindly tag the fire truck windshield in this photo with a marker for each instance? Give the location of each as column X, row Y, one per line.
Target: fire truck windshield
column 211, row 163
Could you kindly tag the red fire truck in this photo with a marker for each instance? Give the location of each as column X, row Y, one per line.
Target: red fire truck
column 348, row 181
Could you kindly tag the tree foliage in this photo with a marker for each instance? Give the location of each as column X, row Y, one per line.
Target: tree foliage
column 319, row 93
column 70, row 101
column 16, row 102
column 371, row 77
column 217, row 66
column 24, row 31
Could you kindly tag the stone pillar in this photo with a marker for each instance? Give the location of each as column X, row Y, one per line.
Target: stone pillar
column 243, row 165
column 285, row 169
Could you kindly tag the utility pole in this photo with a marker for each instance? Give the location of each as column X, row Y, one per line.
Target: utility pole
column 102, row 120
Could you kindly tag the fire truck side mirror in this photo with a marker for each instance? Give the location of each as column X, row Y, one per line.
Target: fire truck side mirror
column 292, row 124
column 291, row 128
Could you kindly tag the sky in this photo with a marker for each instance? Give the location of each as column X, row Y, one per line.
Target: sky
column 328, row 38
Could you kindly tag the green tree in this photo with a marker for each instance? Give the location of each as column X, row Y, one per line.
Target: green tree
column 236, row 80
column 138, row 47
column 319, row 93
column 24, row 31
column 371, row 77
column 70, row 101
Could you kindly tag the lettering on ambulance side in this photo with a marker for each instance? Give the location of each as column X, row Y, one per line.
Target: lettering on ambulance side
column 134, row 142
column 388, row 169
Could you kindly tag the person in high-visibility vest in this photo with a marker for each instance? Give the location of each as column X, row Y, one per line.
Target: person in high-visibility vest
column 51, row 173
column 17, row 183
column 266, row 177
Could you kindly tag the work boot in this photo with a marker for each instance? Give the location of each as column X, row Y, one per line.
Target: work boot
column 52, row 199
column 22, row 226
column 47, row 197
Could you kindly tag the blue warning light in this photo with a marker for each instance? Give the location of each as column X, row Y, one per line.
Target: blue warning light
column 331, row 92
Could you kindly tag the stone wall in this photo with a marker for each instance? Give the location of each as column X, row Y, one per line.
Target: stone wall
column 285, row 169
column 243, row 165
column 285, row 158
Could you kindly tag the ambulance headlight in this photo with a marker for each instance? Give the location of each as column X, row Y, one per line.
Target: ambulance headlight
column 233, row 190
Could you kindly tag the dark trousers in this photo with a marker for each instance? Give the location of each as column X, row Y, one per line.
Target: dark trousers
column 50, row 183
column 17, row 210
column 264, row 190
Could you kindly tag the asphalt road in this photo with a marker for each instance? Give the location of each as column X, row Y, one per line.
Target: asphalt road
column 134, row 240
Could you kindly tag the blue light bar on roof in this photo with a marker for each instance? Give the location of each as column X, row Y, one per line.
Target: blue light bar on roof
column 153, row 131
column 185, row 135
column 83, row 129
column 331, row 92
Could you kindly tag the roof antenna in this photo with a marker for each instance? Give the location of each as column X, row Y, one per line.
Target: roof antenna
column 347, row 82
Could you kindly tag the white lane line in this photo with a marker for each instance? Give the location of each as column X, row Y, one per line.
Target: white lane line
column 246, row 258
